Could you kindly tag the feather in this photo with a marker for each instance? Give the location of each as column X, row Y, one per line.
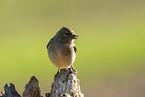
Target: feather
column 49, row 43
column 75, row 49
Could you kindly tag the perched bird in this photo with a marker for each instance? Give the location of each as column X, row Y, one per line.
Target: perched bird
column 61, row 49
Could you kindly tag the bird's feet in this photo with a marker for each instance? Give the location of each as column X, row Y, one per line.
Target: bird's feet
column 70, row 68
column 73, row 69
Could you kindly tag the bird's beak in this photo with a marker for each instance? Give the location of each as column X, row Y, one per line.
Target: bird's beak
column 74, row 36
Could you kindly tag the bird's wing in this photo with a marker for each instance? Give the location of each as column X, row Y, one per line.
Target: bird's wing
column 75, row 49
column 49, row 43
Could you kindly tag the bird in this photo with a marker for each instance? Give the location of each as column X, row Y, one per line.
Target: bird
column 61, row 48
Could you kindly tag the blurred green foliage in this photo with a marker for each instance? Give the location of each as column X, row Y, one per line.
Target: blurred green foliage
column 111, row 42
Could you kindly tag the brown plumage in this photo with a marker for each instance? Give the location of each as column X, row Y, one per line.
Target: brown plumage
column 61, row 49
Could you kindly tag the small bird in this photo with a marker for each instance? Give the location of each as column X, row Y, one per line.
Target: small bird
column 61, row 49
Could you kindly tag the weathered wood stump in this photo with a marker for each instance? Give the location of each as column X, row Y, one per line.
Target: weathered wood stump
column 65, row 84
column 32, row 88
column 10, row 91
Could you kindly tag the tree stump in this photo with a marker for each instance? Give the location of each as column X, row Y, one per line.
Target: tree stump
column 65, row 84
column 32, row 88
column 10, row 91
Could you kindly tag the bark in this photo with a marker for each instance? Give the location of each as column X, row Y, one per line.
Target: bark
column 65, row 84
column 10, row 91
column 32, row 88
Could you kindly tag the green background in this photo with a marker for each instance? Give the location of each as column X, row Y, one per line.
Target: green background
column 111, row 44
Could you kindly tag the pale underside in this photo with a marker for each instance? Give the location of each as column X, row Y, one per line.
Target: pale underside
column 62, row 57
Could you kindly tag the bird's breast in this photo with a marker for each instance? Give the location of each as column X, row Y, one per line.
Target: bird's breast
column 61, row 56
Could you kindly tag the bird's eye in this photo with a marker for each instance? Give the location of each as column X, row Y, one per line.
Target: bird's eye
column 67, row 34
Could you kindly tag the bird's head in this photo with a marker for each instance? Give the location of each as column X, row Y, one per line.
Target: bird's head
column 65, row 34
